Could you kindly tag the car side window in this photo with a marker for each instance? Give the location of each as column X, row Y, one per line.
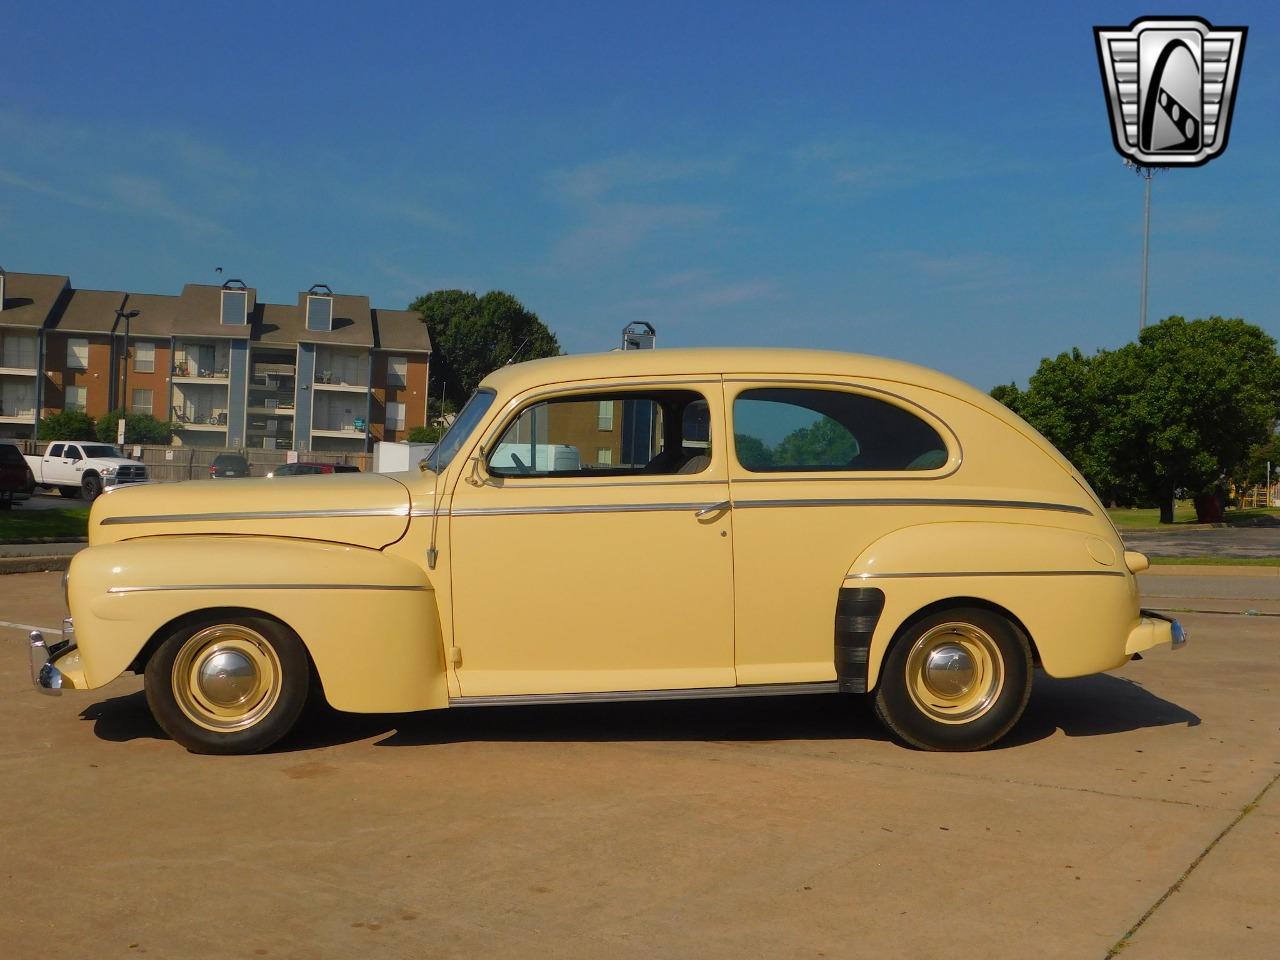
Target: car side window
column 56, row 450
column 73, row 453
column 607, row 434
column 790, row 430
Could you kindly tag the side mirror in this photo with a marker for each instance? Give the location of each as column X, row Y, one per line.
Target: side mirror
column 473, row 475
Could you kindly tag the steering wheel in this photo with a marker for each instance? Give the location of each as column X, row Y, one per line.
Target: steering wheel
column 520, row 464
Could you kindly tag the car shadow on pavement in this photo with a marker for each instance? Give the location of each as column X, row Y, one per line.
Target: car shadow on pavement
column 123, row 718
column 1081, row 707
column 1093, row 706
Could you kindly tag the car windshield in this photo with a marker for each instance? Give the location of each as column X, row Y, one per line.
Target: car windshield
column 100, row 450
column 461, row 428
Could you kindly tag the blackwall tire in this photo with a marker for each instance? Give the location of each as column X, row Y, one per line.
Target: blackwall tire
column 955, row 680
column 227, row 685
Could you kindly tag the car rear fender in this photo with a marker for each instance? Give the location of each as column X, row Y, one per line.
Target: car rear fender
column 1069, row 589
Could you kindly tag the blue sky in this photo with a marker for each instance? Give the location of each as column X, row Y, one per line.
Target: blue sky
column 933, row 182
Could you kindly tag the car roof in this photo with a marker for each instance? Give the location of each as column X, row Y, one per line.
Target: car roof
column 750, row 361
column 714, row 361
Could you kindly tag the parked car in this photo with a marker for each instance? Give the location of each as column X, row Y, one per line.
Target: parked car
column 84, row 469
column 307, row 467
column 734, row 523
column 229, row 465
column 16, row 481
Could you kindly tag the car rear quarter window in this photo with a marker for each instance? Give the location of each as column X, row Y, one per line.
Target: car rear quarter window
column 801, row 430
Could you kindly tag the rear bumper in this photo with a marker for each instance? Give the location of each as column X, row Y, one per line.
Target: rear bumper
column 1153, row 630
column 45, row 675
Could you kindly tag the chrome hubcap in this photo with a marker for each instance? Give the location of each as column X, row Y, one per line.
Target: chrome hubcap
column 226, row 677
column 955, row 672
column 949, row 670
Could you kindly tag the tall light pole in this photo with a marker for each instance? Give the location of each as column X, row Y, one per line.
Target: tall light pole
column 124, row 378
column 1146, row 173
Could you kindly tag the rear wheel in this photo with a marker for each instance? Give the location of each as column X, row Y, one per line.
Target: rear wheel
column 228, row 685
column 956, row 679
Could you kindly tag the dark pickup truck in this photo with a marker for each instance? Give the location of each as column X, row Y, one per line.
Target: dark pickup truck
column 16, row 481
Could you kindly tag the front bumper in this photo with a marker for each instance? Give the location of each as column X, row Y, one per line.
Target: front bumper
column 1153, row 630
column 46, row 677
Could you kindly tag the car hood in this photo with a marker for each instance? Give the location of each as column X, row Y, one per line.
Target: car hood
column 366, row 509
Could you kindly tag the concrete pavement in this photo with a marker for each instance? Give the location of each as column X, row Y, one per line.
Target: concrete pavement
column 775, row 827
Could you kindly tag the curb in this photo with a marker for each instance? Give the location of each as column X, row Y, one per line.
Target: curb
column 33, row 564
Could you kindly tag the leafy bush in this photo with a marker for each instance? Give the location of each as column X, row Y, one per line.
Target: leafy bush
column 424, row 434
column 67, row 425
column 138, row 428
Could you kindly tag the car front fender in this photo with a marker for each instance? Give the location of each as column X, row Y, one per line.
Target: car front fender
column 368, row 619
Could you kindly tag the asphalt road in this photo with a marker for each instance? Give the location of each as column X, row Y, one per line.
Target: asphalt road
column 1237, row 542
column 1134, row 807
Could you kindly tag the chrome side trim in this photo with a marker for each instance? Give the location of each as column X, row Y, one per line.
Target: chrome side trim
column 988, row 573
column 621, row 696
column 916, row 502
column 264, row 586
column 580, row 508
column 260, row 515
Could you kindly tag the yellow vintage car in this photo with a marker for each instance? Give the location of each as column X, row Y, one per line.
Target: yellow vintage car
column 638, row 525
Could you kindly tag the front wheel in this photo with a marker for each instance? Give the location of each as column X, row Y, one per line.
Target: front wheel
column 955, row 680
column 90, row 487
column 233, row 685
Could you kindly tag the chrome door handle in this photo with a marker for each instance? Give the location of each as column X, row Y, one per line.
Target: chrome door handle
column 713, row 509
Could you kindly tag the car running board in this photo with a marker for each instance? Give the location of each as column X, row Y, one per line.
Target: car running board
column 616, row 696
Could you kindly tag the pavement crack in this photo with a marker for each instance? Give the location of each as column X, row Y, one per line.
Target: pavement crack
column 1174, row 887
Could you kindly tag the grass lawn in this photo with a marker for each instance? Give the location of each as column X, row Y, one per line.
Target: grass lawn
column 1183, row 512
column 18, row 523
column 1216, row 561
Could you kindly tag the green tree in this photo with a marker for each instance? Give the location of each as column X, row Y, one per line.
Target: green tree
column 822, row 442
column 138, row 428
column 752, row 452
column 1178, row 412
column 66, row 425
column 472, row 336
column 1255, row 471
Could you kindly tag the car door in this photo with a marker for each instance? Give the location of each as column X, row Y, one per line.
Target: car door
column 51, row 463
column 819, row 470
column 592, row 545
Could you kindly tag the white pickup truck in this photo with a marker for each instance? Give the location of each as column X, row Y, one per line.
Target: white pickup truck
column 81, row 468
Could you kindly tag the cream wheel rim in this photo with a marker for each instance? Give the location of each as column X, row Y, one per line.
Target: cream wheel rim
column 955, row 672
column 226, row 677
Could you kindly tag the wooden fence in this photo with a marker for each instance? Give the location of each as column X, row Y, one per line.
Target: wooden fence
column 167, row 464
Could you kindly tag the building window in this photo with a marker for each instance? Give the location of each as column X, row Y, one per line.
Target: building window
column 395, row 416
column 320, row 313
column 76, row 398
column 604, row 418
column 78, row 353
column 17, row 350
column 604, row 456
column 141, row 401
column 397, row 371
column 235, row 308
column 144, row 357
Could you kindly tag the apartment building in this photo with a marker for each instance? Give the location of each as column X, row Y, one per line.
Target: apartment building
column 327, row 372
